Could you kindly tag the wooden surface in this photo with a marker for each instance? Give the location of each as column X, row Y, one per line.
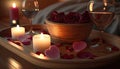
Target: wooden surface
column 6, row 56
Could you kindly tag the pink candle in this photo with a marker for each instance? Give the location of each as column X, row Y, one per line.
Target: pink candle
column 14, row 12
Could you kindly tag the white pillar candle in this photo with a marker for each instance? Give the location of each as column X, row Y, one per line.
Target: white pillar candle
column 41, row 42
column 16, row 32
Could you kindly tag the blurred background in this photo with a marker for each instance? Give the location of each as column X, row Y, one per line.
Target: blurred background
column 5, row 4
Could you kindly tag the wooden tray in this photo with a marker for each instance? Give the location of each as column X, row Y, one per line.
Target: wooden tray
column 27, row 54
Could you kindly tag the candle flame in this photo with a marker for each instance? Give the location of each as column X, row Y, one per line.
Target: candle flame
column 14, row 5
column 105, row 4
column 41, row 35
column 18, row 26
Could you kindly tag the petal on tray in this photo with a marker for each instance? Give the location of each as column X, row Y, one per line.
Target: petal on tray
column 26, row 39
column 52, row 52
column 79, row 46
column 84, row 55
column 26, row 42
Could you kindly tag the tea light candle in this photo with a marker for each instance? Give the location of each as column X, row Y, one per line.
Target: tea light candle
column 17, row 31
column 41, row 42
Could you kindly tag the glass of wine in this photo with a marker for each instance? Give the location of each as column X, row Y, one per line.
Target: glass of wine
column 101, row 13
column 29, row 9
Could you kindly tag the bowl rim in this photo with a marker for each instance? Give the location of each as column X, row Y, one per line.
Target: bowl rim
column 52, row 22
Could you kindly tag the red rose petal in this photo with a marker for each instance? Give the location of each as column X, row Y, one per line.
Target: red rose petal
column 17, row 42
column 52, row 52
column 26, row 39
column 79, row 46
column 115, row 48
column 38, row 53
column 26, row 42
column 69, row 48
column 84, row 55
column 70, row 17
column 67, row 56
column 58, row 44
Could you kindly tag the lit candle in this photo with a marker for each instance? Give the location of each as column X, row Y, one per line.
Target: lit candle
column 17, row 32
column 41, row 42
column 14, row 13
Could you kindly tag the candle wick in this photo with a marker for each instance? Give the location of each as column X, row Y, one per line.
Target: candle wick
column 42, row 36
column 17, row 26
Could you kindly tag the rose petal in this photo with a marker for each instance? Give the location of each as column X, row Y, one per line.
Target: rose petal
column 84, row 55
column 79, row 46
column 67, row 56
column 69, row 48
column 26, row 42
column 38, row 53
column 52, row 52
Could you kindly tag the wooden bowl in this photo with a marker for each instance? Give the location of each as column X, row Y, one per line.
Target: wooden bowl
column 61, row 32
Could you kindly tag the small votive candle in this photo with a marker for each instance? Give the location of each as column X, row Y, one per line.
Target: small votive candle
column 17, row 32
column 41, row 42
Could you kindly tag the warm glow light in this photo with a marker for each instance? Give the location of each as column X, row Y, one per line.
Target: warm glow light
column 105, row 4
column 14, row 5
column 15, row 45
column 14, row 21
column 14, row 63
column 17, row 32
column 104, row 8
column 41, row 56
column 36, row 3
column 41, row 36
column 41, row 42
column 91, row 6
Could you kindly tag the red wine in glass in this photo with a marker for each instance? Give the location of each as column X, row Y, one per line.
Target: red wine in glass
column 102, row 19
column 29, row 13
column 102, row 14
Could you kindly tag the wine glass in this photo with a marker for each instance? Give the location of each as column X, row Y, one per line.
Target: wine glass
column 101, row 13
column 29, row 9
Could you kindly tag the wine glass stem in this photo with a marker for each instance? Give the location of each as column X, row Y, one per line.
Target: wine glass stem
column 31, row 28
column 101, row 37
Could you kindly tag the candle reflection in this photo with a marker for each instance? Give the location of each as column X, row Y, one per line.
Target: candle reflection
column 15, row 63
column 41, row 56
column 91, row 6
